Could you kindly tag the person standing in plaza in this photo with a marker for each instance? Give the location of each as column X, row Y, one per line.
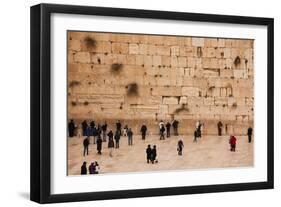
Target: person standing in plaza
column 125, row 130
column 95, row 134
column 161, row 123
column 71, row 128
column 175, row 125
column 117, row 139
column 168, row 127
column 249, row 133
column 143, row 131
column 104, row 129
column 162, row 131
column 232, row 142
column 195, row 135
column 118, row 127
column 110, row 143
column 99, row 144
column 84, row 128
column 84, row 168
column 86, row 146
column 220, row 125
column 130, row 137
column 153, row 154
column 148, row 153
column 180, row 147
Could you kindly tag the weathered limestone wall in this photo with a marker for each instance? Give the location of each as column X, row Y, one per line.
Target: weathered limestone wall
column 146, row 78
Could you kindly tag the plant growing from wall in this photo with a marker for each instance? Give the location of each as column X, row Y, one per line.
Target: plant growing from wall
column 237, row 61
column 74, row 83
column 90, row 42
column 183, row 108
column 132, row 89
column 116, row 68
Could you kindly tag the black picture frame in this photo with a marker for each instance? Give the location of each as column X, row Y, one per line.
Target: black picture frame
column 41, row 96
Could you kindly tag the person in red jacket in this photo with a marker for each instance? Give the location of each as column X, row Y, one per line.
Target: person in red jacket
column 232, row 142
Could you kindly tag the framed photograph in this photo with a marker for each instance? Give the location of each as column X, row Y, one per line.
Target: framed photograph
column 133, row 103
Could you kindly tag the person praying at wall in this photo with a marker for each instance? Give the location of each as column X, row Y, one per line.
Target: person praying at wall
column 110, row 143
column 162, row 131
column 161, row 123
column 88, row 131
column 117, row 138
column 168, row 126
column 148, row 153
column 153, row 154
column 199, row 127
column 71, row 128
column 104, row 128
column 118, row 127
column 180, row 147
column 84, row 168
column 86, row 146
column 84, row 128
column 95, row 134
column 195, row 135
column 249, row 133
column 99, row 144
column 130, row 137
column 143, row 131
column 92, row 125
column 232, row 142
column 175, row 125
column 219, row 128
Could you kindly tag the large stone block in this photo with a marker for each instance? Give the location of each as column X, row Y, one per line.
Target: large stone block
column 120, row 48
column 163, row 50
column 190, row 91
column 166, row 91
column 198, row 42
column 170, row 100
column 82, row 57
column 133, row 49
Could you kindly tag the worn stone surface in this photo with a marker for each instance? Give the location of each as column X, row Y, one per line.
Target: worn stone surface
column 209, row 152
column 211, row 77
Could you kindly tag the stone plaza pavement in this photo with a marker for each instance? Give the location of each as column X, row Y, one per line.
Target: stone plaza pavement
column 208, row 152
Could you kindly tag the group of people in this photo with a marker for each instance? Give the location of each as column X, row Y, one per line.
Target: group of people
column 100, row 135
column 166, row 128
column 93, row 168
column 151, row 154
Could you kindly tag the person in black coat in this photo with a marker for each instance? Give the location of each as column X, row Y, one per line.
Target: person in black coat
column 104, row 128
column 180, row 147
column 86, row 146
column 219, row 128
column 71, row 128
column 84, row 168
column 153, row 154
column 130, row 137
column 143, row 131
column 168, row 126
column 117, row 138
column 249, row 133
column 118, row 127
column 99, row 145
column 162, row 130
column 84, row 127
column 175, row 125
column 110, row 143
column 148, row 153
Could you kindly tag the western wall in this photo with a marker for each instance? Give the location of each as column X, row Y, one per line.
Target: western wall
column 147, row 78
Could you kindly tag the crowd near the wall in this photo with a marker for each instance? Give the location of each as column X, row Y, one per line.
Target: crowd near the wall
column 100, row 134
